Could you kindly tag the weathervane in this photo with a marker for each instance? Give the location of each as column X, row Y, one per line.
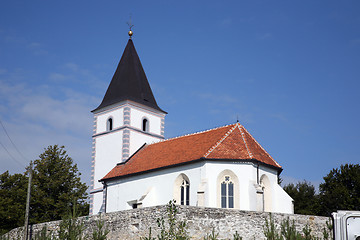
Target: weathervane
column 129, row 23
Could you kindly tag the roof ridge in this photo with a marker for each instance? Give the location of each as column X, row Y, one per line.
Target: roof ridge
column 262, row 148
column 221, row 140
column 190, row 134
column 247, row 148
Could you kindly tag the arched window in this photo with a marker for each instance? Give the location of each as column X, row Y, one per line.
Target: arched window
column 109, row 124
column 185, row 193
column 145, row 125
column 228, row 190
column 227, row 193
column 182, row 190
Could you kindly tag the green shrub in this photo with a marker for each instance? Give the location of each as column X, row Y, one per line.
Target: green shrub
column 173, row 229
column 43, row 234
column 71, row 227
column 212, row 235
column 236, row 236
column 101, row 231
column 270, row 230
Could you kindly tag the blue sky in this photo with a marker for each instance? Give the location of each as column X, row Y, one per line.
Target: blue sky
column 288, row 70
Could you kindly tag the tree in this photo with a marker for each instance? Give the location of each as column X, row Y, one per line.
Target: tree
column 56, row 186
column 304, row 196
column 341, row 190
column 12, row 201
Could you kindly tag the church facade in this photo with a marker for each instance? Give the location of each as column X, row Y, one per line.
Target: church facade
column 133, row 165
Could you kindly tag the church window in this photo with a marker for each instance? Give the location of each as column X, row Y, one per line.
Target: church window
column 185, row 193
column 145, row 125
column 109, row 124
column 227, row 193
column 182, row 190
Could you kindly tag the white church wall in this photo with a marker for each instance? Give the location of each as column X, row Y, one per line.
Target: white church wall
column 156, row 186
column 108, row 153
column 117, row 115
column 268, row 181
column 253, row 196
column 283, row 203
column 97, row 202
column 275, row 198
column 137, row 139
column 137, row 116
column 244, row 173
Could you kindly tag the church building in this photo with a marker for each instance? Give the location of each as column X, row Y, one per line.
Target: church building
column 133, row 165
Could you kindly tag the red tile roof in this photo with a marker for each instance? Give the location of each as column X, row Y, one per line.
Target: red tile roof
column 228, row 142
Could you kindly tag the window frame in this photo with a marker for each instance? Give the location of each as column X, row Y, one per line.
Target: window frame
column 181, row 190
column 185, row 193
column 145, row 124
column 109, row 124
column 228, row 190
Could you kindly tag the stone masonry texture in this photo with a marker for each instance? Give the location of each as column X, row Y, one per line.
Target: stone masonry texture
column 135, row 223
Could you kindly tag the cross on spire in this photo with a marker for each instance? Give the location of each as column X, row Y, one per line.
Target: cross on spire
column 129, row 23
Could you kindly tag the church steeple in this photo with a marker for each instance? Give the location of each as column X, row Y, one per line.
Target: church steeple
column 127, row 117
column 129, row 82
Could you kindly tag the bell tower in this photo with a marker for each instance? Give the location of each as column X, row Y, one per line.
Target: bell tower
column 127, row 117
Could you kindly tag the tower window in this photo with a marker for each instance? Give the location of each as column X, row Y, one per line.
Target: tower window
column 145, row 125
column 109, row 124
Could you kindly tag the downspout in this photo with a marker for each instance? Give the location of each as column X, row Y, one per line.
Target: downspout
column 105, row 196
column 257, row 174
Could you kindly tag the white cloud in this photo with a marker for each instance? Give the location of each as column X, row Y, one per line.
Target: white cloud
column 35, row 118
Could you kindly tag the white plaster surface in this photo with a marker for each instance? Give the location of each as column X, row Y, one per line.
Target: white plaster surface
column 137, row 116
column 118, row 119
column 137, row 139
column 108, row 152
column 161, row 184
column 98, row 200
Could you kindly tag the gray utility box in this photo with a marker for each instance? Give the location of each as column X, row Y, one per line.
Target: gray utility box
column 346, row 225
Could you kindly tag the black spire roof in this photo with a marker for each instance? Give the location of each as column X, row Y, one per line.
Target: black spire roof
column 129, row 82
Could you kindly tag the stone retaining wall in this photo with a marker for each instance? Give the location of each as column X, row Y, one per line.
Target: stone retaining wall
column 135, row 223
